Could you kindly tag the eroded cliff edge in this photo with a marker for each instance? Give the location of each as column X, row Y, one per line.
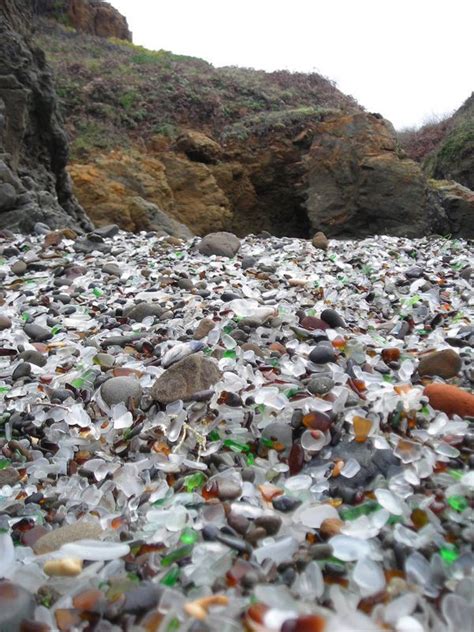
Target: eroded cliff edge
column 34, row 184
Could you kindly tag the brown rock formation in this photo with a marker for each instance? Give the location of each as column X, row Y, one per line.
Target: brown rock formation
column 359, row 184
column 94, row 17
column 120, row 187
column 34, row 184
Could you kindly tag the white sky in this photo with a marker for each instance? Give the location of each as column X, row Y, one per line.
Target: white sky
column 407, row 59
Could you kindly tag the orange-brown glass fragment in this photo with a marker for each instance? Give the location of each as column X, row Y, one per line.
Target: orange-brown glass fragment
column 362, row 427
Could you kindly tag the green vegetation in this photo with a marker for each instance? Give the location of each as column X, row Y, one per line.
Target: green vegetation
column 92, row 136
column 457, row 142
column 268, row 121
column 113, row 92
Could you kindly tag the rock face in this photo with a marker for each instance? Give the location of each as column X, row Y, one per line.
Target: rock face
column 34, row 184
column 141, row 192
column 458, row 204
column 358, row 184
column 89, row 16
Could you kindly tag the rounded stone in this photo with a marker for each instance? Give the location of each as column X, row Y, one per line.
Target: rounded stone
column 118, row 390
column 204, row 327
column 33, row 357
column 285, row 504
column 320, row 241
column 185, row 284
column 222, row 244
column 143, row 310
column 238, row 522
column 450, row 399
column 9, row 476
column 271, row 523
column 312, row 323
column 5, row 322
column 322, row 355
column 332, row 318
column 228, row 489
column 22, row 370
column 249, row 262
column 445, row 363
column 54, row 540
column 320, row 384
column 19, row 268
column 191, row 375
column 37, row 333
column 113, row 269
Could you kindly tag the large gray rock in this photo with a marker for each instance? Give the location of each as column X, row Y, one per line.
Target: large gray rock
column 458, row 203
column 222, row 244
column 8, row 196
column 34, row 184
column 160, row 221
column 188, row 376
column 359, row 184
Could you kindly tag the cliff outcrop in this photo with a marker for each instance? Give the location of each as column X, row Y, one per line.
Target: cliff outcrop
column 360, row 184
column 94, row 17
column 34, row 184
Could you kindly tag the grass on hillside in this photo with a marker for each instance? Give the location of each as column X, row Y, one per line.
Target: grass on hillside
column 114, row 91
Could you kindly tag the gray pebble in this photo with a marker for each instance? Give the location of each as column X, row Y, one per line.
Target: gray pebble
column 118, row 390
column 320, row 384
column 37, row 333
column 19, row 268
column 33, row 357
column 22, row 370
column 228, row 489
column 322, row 354
column 271, row 523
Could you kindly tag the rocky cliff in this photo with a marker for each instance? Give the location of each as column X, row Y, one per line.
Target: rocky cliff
column 34, row 183
column 159, row 138
column 234, row 149
column 87, row 16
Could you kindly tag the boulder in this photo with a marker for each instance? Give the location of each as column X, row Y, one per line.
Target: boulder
column 221, row 244
column 458, row 204
column 188, row 376
column 198, row 147
column 358, row 184
column 320, row 241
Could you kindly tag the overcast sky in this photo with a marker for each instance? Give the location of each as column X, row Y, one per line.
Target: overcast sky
column 407, row 59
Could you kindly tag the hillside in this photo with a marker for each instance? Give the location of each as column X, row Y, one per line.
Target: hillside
column 115, row 93
column 446, row 148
